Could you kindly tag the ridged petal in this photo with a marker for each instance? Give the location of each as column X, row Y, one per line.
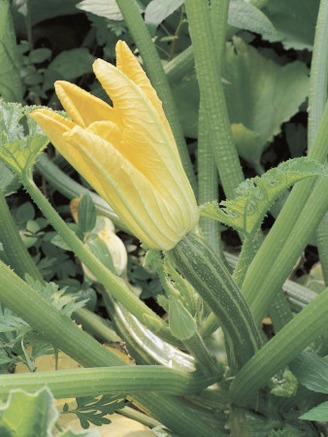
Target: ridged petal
column 81, row 106
column 135, row 109
column 127, row 190
column 129, row 65
column 143, row 141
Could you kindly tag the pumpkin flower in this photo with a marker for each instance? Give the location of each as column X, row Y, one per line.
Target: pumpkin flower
column 127, row 151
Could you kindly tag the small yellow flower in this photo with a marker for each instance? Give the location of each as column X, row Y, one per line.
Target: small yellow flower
column 126, row 152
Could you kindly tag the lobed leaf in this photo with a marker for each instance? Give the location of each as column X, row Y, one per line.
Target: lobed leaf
column 256, row 196
column 21, row 139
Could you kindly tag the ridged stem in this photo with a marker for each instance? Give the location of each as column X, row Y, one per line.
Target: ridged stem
column 280, row 350
column 317, row 101
column 104, row 380
column 116, row 285
column 257, row 290
column 67, row 336
column 154, row 68
column 211, row 92
column 17, row 254
column 259, row 295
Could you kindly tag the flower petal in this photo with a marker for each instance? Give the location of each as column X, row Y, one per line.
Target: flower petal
column 81, row 106
column 129, row 65
column 130, row 194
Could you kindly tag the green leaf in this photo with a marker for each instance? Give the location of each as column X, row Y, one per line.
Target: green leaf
column 311, row 371
column 294, row 21
column 10, row 81
column 102, row 8
column 68, row 65
column 94, row 409
column 182, row 324
column 158, row 10
column 256, row 196
column 29, row 415
column 246, row 16
column 318, row 413
column 86, row 214
column 66, row 303
column 261, row 94
column 19, row 151
column 39, row 55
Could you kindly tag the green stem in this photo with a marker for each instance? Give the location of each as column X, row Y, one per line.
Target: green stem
column 317, row 100
column 179, row 66
column 105, row 380
column 67, row 336
column 211, row 279
column 117, row 286
column 206, row 362
column 211, row 92
column 319, row 73
column 153, row 65
column 95, row 325
column 255, row 285
column 207, row 183
column 276, row 270
column 138, row 416
column 71, row 189
column 280, row 350
column 18, row 255
column 54, row 327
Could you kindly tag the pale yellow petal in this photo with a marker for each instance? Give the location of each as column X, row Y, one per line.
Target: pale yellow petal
column 129, row 65
column 164, row 173
column 56, row 126
column 132, row 104
column 81, row 106
column 53, row 124
column 127, row 190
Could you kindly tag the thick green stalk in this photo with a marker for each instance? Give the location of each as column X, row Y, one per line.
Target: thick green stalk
column 71, row 189
column 95, row 325
column 207, row 172
column 67, row 336
column 319, row 73
column 17, row 254
column 154, row 68
column 117, row 286
column 211, row 92
column 255, row 285
column 280, row 350
column 104, row 380
column 317, row 101
column 259, row 295
column 205, row 362
column 211, row 279
column 207, row 183
column 54, row 327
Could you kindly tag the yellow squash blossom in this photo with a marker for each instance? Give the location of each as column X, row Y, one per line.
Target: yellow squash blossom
column 126, row 152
